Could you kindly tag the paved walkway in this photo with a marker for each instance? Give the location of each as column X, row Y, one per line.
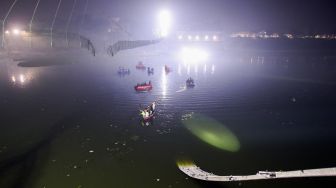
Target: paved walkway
column 197, row 173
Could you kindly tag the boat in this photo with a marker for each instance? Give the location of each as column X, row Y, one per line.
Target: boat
column 150, row 110
column 143, row 87
column 140, row 65
column 148, row 118
column 190, row 82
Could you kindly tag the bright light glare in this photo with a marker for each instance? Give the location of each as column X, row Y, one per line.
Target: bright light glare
column 164, row 23
column 22, row 78
column 7, row 32
column 189, row 37
column 13, row 79
column 214, row 37
column 206, row 37
column 164, row 82
column 197, row 37
column 193, row 55
column 16, row 31
column 180, row 37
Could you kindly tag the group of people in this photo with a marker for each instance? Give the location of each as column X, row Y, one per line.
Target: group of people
column 150, row 70
column 144, row 83
column 190, row 82
column 167, row 69
column 147, row 112
column 123, row 70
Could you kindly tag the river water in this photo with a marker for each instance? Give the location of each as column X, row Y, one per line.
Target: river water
column 76, row 124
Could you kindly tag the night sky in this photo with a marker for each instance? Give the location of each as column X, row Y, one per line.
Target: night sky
column 295, row 16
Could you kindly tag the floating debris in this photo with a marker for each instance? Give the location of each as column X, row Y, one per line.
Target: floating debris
column 68, row 175
column 91, row 151
column 157, row 179
column 135, row 138
column 187, row 116
column 293, row 99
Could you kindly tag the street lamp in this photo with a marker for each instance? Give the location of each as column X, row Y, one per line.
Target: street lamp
column 82, row 21
column 69, row 21
column 31, row 21
column 16, row 31
column 53, row 22
column 164, row 23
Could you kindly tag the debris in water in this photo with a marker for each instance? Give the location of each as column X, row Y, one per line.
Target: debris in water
column 68, row 175
column 157, row 179
column 293, row 99
column 135, row 138
column 91, row 151
column 187, row 116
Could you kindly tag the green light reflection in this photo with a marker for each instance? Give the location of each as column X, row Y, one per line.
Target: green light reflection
column 212, row 132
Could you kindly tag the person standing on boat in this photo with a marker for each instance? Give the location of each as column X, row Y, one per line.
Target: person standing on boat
column 153, row 107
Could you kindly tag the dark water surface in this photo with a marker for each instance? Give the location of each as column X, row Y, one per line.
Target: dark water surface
column 77, row 125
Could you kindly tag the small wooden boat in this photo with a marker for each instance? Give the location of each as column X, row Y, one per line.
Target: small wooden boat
column 150, row 117
column 148, row 113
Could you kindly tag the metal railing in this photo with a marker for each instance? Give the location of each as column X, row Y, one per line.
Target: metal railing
column 40, row 39
column 125, row 45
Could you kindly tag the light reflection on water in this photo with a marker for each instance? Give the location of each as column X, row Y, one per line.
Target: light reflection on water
column 164, row 82
column 20, row 76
